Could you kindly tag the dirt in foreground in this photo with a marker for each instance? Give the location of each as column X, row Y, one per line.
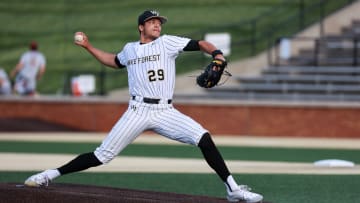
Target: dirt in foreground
column 59, row 192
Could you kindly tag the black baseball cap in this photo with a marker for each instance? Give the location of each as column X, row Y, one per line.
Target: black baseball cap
column 150, row 14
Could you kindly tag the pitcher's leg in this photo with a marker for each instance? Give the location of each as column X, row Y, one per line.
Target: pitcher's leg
column 80, row 163
column 129, row 126
column 125, row 131
column 214, row 159
column 213, row 156
column 177, row 126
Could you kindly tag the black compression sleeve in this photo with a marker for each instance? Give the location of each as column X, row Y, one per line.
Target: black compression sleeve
column 213, row 156
column 81, row 162
column 193, row 45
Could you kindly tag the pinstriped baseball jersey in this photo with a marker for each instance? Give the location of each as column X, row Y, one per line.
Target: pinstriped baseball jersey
column 151, row 74
column 151, row 66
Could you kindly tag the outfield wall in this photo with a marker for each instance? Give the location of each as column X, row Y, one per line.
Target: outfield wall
column 226, row 117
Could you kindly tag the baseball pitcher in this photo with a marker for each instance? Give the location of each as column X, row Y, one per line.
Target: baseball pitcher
column 150, row 63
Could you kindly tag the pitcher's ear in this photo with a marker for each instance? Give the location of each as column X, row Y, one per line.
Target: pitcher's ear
column 141, row 28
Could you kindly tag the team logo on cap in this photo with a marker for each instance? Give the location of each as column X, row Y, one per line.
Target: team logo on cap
column 155, row 13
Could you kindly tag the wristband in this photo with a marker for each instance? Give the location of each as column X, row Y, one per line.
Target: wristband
column 216, row 52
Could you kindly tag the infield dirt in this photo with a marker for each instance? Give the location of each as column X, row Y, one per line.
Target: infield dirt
column 59, row 193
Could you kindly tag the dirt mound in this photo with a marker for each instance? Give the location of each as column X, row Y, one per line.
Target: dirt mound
column 58, row 192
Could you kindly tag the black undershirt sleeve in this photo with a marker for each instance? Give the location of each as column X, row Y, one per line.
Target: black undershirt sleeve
column 118, row 63
column 193, row 45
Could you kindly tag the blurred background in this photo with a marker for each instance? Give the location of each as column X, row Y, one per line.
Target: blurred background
column 293, row 97
column 253, row 27
column 301, row 56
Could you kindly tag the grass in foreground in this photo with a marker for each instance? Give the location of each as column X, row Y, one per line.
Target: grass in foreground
column 185, row 151
column 275, row 188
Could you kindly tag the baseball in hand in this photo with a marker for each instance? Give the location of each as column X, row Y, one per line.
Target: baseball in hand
column 79, row 37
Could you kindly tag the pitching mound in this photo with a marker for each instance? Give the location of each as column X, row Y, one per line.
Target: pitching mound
column 56, row 192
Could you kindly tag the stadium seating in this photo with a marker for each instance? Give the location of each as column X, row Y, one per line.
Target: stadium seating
column 331, row 50
column 329, row 72
column 332, row 75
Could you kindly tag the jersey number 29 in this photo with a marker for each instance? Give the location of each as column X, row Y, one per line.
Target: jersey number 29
column 156, row 75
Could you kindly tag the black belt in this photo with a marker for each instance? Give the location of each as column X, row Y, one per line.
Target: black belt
column 151, row 100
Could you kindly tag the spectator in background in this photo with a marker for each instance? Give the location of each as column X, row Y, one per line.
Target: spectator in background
column 29, row 70
column 5, row 85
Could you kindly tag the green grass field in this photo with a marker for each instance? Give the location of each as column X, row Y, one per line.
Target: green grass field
column 184, row 151
column 277, row 188
column 110, row 24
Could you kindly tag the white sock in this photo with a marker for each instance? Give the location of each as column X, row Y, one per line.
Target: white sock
column 230, row 182
column 52, row 173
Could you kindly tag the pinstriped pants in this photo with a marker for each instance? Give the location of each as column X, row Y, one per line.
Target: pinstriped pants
column 163, row 119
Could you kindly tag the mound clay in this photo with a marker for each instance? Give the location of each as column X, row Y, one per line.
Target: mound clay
column 58, row 192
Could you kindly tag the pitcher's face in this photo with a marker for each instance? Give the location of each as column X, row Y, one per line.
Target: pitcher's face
column 151, row 30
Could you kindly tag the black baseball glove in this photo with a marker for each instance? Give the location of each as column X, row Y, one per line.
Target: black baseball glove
column 212, row 74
